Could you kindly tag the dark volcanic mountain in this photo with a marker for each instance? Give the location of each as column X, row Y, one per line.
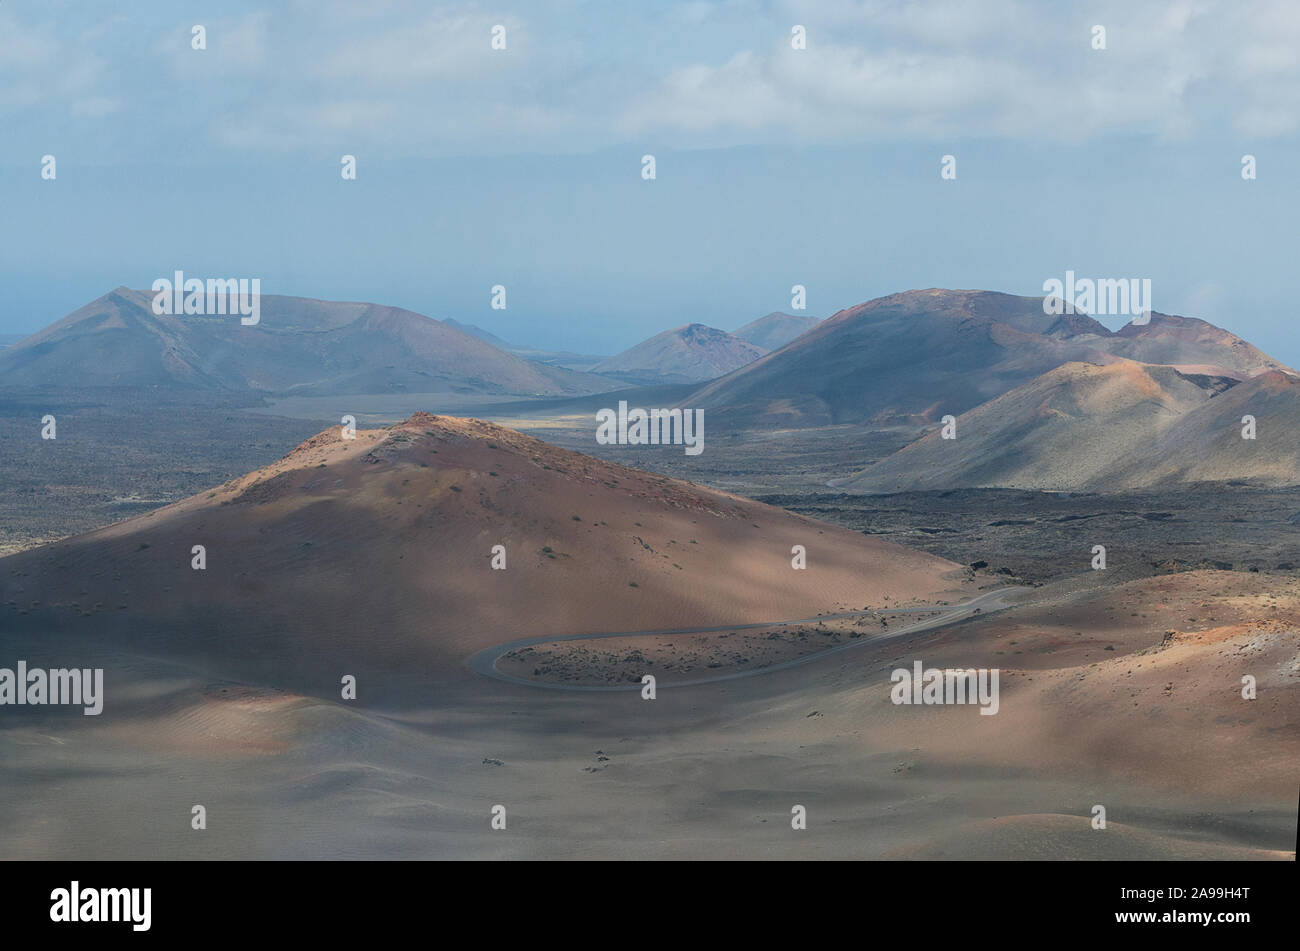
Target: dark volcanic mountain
column 689, row 354
column 775, row 330
column 299, row 346
column 919, row 355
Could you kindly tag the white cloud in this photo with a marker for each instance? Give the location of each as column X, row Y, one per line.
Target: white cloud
column 440, row 45
column 235, row 46
column 25, row 47
column 353, row 115
column 418, row 79
column 948, row 69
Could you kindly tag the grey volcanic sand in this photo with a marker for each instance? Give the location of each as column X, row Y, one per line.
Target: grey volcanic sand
column 702, row 772
column 1117, row 688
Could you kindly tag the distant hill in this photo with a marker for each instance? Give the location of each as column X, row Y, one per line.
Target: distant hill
column 1206, row 444
column 300, row 346
column 688, row 354
column 1192, row 344
column 1126, row 425
column 912, row 357
column 1064, row 429
column 906, row 358
column 775, row 330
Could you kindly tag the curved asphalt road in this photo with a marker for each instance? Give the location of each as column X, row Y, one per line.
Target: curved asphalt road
column 485, row 661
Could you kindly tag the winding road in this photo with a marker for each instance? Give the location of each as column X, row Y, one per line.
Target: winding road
column 485, row 661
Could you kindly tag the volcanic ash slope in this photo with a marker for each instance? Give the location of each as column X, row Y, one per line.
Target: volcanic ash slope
column 375, row 555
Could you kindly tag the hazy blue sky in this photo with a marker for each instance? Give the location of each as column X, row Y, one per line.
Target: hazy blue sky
column 775, row 166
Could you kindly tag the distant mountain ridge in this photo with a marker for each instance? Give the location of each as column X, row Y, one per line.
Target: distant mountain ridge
column 688, row 354
column 915, row 356
column 300, row 346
